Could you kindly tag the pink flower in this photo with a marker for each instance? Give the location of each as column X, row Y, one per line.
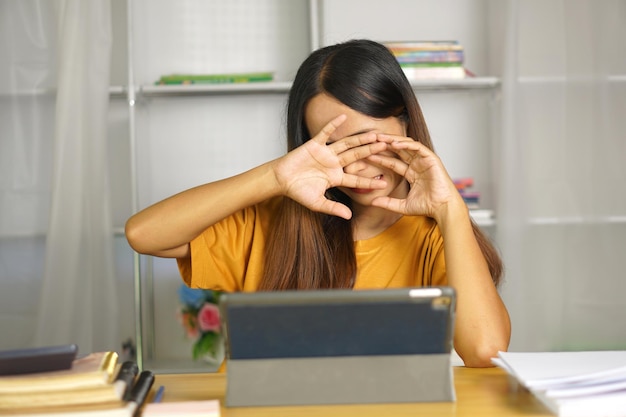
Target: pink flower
column 209, row 318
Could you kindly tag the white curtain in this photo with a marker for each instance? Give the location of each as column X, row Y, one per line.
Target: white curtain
column 562, row 208
column 56, row 261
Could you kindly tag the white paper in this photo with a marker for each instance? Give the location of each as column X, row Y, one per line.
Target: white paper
column 547, row 369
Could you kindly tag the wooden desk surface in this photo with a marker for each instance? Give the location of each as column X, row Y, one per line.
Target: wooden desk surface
column 480, row 392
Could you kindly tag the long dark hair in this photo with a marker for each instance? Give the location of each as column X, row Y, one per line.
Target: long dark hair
column 311, row 250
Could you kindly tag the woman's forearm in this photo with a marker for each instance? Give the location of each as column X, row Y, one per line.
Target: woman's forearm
column 166, row 228
column 482, row 322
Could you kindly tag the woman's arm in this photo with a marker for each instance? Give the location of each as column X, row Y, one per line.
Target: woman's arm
column 482, row 322
column 166, row 228
column 304, row 174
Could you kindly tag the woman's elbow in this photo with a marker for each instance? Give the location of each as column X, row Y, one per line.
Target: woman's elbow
column 480, row 355
column 479, row 360
column 134, row 236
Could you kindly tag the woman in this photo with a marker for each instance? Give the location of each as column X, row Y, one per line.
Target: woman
column 359, row 201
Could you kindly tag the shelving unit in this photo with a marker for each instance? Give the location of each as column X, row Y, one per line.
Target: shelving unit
column 154, row 108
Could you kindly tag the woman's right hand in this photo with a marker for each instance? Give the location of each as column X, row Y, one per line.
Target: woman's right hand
column 305, row 173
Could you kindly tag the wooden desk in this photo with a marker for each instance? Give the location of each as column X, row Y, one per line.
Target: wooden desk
column 480, row 393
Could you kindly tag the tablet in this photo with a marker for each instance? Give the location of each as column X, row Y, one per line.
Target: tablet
column 357, row 336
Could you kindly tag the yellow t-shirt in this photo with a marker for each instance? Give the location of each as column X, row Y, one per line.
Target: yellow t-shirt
column 229, row 256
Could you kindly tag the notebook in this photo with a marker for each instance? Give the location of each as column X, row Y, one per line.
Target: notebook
column 338, row 346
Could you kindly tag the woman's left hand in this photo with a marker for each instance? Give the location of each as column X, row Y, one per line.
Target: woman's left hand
column 430, row 188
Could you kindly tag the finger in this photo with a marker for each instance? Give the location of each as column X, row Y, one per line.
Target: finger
column 334, row 208
column 387, row 138
column 323, row 136
column 392, row 204
column 414, row 148
column 356, row 167
column 404, row 155
column 355, row 181
column 401, row 146
column 409, row 151
column 360, row 152
column 350, row 142
column 396, row 165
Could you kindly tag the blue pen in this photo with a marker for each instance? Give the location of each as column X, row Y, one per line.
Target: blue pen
column 159, row 394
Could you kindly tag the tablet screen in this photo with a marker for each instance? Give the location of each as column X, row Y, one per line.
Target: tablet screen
column 298, row 324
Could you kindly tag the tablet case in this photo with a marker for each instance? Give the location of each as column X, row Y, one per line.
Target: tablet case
column 339, row 346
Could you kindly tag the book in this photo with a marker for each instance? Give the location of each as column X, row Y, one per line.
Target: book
column 111, row 393
column 432, row 45
column 93, row 370
column 429, row 56
column 128, row 407
column 572, row 384
column 177, row 79
column 471, row 198
column 102, row 389
column 429, row 59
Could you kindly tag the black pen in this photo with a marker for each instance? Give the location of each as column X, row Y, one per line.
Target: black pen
column 139, row 392
column 126, row 375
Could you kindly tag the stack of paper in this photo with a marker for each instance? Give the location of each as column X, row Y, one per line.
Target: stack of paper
column 572, row 384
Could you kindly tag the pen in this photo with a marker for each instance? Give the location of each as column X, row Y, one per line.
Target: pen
column 139, row 392
column 126, row 375
column 159, row 395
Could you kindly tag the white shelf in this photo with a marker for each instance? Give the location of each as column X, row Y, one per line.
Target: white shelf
column 116, row 91
column 29, row 93
column 270, row 87
column 582, row 220
column 470, row 83
column 561, row 79
column 483, row 217
column 282, row 87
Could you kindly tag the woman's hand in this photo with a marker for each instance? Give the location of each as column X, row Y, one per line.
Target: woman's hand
column 482, row 325
column 431, row 189
column 305, row 173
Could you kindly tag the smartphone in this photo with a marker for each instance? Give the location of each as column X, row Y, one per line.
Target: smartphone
column 40, row 359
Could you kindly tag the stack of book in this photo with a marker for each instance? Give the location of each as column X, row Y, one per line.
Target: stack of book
column 232, row 78
column 471, row 198
column 429, row 59
column 572, row 384
column 94, row 385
